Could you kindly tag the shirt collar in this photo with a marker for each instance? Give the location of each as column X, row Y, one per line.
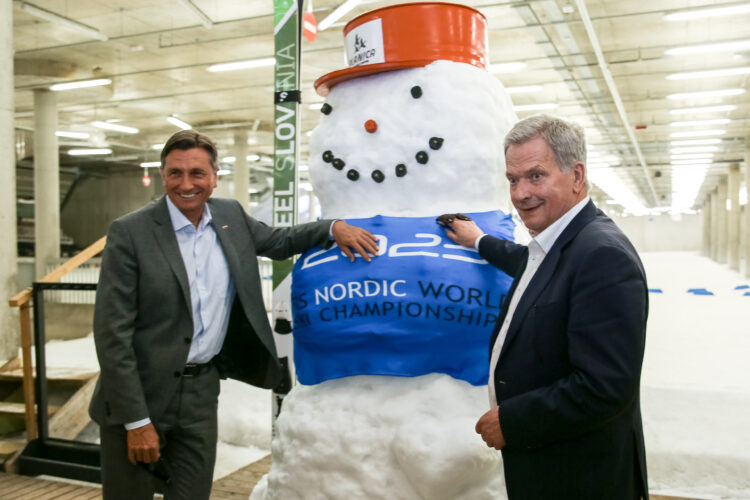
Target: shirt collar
column 179, row 221
column 547, row 238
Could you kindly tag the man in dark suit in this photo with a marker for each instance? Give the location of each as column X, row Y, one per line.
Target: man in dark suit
column 567, row 349
column 178, row 305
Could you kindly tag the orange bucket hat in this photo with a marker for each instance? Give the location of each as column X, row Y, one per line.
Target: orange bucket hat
column 407, row 36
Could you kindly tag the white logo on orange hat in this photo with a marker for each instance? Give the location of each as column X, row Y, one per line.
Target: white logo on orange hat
column 364, row 44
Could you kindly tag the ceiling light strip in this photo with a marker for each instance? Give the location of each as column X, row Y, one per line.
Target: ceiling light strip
column 711, row 12
column 706, row 93
column 80, row 85
column 250, row 63
column 179, row 123
column 704, row 109
column 739, row 45
column 337, row 14
column 700, row 123
column 713, row 73
column 115, row 127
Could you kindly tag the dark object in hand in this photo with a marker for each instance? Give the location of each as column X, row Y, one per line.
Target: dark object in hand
column 446, row 219
column 158, row 469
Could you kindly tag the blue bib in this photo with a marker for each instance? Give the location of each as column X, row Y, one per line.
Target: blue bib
column 424, row 305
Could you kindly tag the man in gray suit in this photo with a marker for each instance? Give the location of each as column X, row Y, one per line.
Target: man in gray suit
column 178, row 306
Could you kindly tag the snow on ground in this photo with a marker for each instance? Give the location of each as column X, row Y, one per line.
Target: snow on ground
column 695, row 386
column 696, row 381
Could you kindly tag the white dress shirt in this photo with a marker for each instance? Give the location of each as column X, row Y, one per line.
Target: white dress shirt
column 539, row 247
column 211, row 286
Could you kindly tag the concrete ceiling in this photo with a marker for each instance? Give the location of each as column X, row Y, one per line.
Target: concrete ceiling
column 156, row 55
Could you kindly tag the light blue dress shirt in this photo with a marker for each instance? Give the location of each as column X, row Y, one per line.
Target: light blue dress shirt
column 211, row 287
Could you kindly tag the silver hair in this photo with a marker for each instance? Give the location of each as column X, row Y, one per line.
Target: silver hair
column 566, row 139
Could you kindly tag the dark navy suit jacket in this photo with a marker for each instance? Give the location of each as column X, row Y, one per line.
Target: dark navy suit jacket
column 568, row 376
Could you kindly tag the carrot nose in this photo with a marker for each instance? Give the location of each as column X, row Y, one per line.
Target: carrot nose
column 371, row 126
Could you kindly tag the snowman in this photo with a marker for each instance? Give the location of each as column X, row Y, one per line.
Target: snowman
column 392, row 356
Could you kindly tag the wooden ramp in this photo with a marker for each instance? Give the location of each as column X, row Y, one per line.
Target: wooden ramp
column 16, row 487
column 240, row 483
column 236, row 485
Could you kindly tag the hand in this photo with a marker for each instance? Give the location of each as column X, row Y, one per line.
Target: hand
column 461, row 230
column 143, row 444
column 488, row 427
column 352, row 237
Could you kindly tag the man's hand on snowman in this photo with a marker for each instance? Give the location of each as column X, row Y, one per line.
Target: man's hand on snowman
column 488, row 427
column 355, row 238
column 460, row 228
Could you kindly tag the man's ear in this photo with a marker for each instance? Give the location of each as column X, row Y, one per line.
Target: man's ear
column 579, row 177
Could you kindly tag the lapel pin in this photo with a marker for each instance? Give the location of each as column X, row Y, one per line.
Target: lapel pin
column 225, row 227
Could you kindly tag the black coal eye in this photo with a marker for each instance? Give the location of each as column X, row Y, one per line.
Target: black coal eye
column 326, row 109
column 416, row 92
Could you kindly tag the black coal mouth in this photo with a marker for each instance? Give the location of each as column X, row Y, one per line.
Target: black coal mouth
column 400, row 170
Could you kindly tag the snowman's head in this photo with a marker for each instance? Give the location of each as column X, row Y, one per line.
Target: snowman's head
column 412, row 142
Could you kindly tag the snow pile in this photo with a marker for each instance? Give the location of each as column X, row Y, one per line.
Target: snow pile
column 463, row 105
column 695, row 384
column 372, row 438
column 77, row 353
column 244, row 415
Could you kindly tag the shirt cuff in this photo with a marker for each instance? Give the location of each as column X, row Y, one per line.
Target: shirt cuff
column 476, row 243
column 330, row 229
column 135, row 425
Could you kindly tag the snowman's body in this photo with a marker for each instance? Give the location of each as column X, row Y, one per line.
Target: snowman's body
column 436, row 147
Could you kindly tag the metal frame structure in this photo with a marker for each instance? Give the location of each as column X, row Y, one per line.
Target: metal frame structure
column 47, row 455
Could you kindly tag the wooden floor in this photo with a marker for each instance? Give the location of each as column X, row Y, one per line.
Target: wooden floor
column 236, row 485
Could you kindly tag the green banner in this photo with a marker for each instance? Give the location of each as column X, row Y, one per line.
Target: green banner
column 285, row 179
column 286, row 124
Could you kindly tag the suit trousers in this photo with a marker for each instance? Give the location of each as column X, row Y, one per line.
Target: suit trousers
column 187, row 437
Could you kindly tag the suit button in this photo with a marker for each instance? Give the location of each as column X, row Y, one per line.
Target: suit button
column 177, row 374
column 188, row 340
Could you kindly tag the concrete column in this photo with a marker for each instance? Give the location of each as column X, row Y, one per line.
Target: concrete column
column 733, row 220
column 706, row 217
column 241, row 173
column 46, row 182
column 715, row 224
column 723, row 244
column 9, row 338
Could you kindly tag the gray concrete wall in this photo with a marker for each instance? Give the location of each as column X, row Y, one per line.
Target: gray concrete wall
column 662, row 233
column 96, row 202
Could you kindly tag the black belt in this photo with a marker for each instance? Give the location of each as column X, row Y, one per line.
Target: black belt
column 193, row 369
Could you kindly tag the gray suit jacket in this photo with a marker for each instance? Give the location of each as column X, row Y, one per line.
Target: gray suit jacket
column 143, row 320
